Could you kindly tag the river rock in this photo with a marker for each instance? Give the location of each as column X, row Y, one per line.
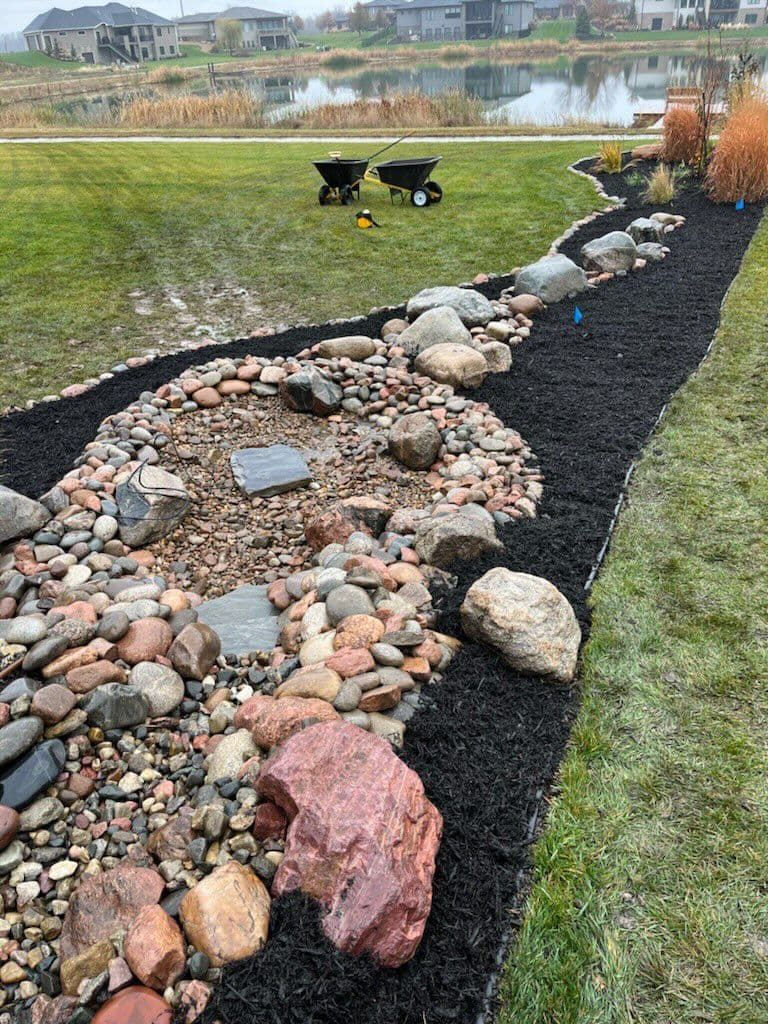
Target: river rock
column 161, row 686
column 316, row 681
column 354, row 346
column 435, row 327
column 230, row 754
column 528, row 305
column 145, row 640
column 38, row 768
column 194, row 651
column 415, row 441
column 364, row 514
column 135, row 1005
column 612, row 252
column 154, row 948
column 20, row 516
column 309, row 390
column 463, row 536
column 9, row 825
column 226, row 916
column 150, row 504
column 551, row 278
column 270, row 721
column 346, row 600
column 88, row 964
column 362, row 838
column 116, row 706
column 527, row 620
column 107, row 902
column 457, row 365
column 53, row 702
column 270, row 470
column 17, row 737
column 472, row 307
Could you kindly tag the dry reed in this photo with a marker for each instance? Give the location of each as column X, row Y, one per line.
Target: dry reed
column 232, row 108
column 396, row 110
column 739, row 166
column 682, row 135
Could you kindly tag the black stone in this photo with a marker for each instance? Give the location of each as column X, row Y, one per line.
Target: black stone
column 24, row 779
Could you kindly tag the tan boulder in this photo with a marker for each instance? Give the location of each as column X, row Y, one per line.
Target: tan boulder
column 226, row 916
column 457, row 365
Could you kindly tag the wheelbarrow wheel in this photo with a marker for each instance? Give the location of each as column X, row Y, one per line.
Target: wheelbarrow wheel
column 420, row 197
column 323, row 196
column 346, row 196
column 435, row 192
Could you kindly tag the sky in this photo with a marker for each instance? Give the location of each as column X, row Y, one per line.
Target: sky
column 17, row 14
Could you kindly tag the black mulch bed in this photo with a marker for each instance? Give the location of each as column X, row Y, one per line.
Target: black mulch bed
column 585, row 398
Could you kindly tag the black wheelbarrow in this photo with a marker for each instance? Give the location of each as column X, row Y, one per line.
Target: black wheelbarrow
column 342, row 179
column 409, row 177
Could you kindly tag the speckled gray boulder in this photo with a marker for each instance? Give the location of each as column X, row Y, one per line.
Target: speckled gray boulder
column 552, row 278
column 473, row 308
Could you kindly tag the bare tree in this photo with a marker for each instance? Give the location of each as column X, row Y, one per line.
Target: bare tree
column 229, row 33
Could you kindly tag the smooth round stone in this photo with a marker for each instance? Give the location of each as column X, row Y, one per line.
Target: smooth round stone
column 318, row 648
column 359, row 543
column 105, row 528
column 11, row 857
column 347, row 600
column 144, row 609
column 135, row 1005
column 113, row 626
column 77, row 575
column 387, row 654
column 26, row 630
column 395, row 677
column 18, row 736
column 315, row 621
column 348, row 696
column 328, row 580
column 163, row 688
column 358, row 718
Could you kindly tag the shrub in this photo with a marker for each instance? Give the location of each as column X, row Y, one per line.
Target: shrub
column 660, row 187
column 682, row 135
column 739, row 167
column 610, row 157
column 583, row 28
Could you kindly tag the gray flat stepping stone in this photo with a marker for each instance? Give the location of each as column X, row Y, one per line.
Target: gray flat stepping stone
column 268, row 471
column 245, row 620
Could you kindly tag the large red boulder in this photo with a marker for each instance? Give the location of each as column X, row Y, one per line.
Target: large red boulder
column 270, row 720
column 107, row 903
column 362, row 838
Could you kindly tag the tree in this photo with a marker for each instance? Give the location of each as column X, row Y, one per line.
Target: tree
column 380, row 21
column 632, row 16
column 359, row 18
column 229, row 33
column 298, row 23
column 583, row 26
column 325, row 21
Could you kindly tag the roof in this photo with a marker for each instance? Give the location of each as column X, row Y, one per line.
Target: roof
column 90, row 17
column 383, row 3
column 236, row 13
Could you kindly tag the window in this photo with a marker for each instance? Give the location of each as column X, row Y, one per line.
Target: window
column 656, row 24
column 162, row 51
column 452, row 12
column 144, row 52
column 172, row 49
column 750, row 19
column 159, row 31
column 428, row 35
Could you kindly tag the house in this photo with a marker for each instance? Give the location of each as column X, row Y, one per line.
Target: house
column 386, row 7
column 428, row 20
column 111, row 34
column 657, row 15
column 262, row 30
column 549, row 10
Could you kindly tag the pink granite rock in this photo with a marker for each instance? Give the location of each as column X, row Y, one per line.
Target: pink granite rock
column 362, row 838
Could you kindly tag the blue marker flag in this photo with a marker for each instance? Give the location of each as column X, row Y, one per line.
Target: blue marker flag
column 740, row 204
column 578, row 316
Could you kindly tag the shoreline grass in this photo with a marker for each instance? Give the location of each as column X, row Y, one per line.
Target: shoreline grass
column 648, row 897
column 236, row 234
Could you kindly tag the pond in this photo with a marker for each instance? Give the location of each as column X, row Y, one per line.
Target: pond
column 605, row 90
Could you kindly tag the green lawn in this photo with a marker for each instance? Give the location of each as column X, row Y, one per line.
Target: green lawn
column 560, row 30
column 649, row 897
column 83, row 226
column 678, row 35
column 34, row 59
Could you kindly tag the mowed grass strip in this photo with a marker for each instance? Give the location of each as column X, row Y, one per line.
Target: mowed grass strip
column 649, row 897
column 84, row 226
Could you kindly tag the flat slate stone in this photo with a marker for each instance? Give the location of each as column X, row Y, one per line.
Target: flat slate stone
column 245, row 619
column 22, row 781
column 268, row 471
